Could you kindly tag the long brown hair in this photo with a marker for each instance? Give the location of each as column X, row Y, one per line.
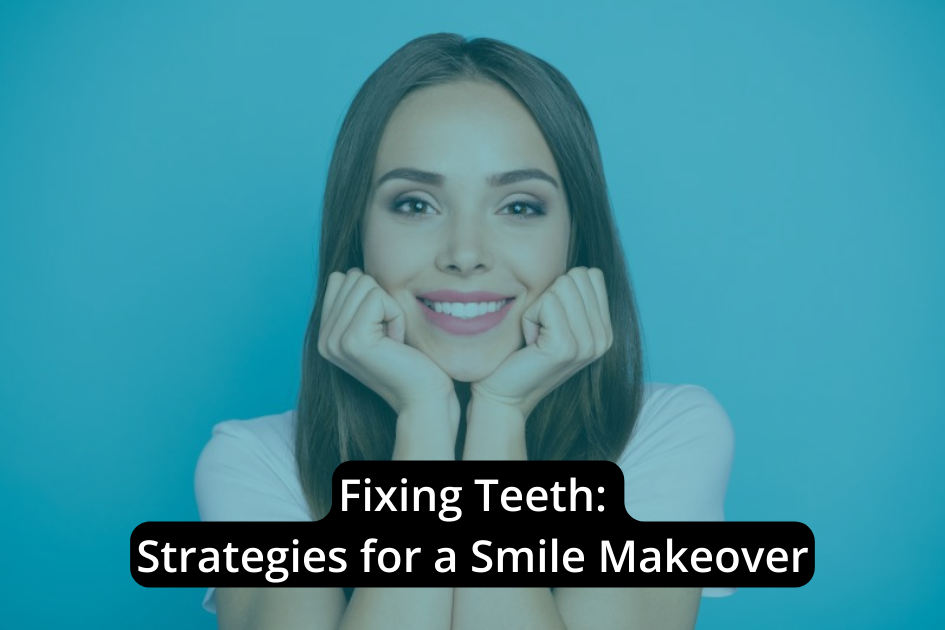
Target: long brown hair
column 588, row 417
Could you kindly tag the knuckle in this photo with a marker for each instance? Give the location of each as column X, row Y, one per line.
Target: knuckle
column 374, row 292
column 366, row 283
column 348, row 278
column 333, row 344
column 601, row 347
column 569, row 347
column 327, row 348
column 348, row 344
column 352, row 345
column 559, row 349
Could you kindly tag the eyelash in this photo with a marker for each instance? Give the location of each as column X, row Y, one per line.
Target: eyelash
column 537, row 209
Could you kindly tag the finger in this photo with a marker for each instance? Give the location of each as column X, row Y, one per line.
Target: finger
column 599, row 333
column 566, row 289
column 548, row 317
column 600, row 289
column 352, row 302
column 391, row 314
column 378, row 308
column 331, row 292
column 329, row 307
column 531, row 321
column 350, row 279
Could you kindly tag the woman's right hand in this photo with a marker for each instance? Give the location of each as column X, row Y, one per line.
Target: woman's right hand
column 362, row 332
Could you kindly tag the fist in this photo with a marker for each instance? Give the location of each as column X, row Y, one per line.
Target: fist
column 565, row 329
column 362, row 331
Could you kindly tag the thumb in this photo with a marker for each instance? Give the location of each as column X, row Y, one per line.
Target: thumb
column 530, row 322
column 380, row 314
column 393, row 317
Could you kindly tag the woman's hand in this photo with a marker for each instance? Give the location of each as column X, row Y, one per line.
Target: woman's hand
column 566, row 329
column 362, row 332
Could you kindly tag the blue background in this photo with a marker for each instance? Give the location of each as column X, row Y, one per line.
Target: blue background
column 779, row 178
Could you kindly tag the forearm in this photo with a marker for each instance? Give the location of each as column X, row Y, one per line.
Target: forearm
column 494, row 432
column 424, row 432
column 427, row 431
column 497, row 432
column 498, row 608
column 384, row 608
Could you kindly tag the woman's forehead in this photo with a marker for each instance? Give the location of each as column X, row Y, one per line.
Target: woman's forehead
column 462, row 128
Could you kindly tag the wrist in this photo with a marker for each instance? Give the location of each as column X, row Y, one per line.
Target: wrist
column 507, row 418
column 427, row 429
column 426, row 397
column 436, row 407
column 494, row 431
column 489, row 406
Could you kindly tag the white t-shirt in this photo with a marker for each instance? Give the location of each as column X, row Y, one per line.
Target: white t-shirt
column 676, row 465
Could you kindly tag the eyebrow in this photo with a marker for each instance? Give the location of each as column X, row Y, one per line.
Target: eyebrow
column 495, row 180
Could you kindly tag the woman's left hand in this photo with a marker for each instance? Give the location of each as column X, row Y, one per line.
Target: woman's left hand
column 566, row 329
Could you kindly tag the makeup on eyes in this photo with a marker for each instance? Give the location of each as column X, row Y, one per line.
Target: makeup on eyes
column 526, row 208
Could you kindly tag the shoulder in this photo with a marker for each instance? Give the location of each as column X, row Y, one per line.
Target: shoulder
column 677, row 462
column 672, row 413
column 247, row 472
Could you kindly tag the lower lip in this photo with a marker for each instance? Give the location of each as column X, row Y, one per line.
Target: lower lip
column 471, row 326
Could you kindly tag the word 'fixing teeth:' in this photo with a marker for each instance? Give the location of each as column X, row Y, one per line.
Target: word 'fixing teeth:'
column 466, row 310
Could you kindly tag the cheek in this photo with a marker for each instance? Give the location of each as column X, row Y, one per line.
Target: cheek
column 380, row 256
column 549, row 256
column 540, row 267
column 393, row 262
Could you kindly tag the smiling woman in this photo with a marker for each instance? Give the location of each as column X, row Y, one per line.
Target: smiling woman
column 463, row 231
column 474, row 303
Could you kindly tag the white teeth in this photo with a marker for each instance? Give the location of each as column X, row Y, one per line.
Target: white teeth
column 466, row 310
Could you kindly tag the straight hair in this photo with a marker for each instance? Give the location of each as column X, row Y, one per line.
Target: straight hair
column 591, row 415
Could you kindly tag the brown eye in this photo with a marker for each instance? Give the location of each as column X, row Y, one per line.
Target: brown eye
column 411, row 207
column 524, row 209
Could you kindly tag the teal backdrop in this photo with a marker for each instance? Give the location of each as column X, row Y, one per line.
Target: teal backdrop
column 778, row 172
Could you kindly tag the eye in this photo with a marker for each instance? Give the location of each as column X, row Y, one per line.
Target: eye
column 524, row 209
column 411, row 207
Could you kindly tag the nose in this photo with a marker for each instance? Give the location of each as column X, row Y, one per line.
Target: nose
column 465, row 250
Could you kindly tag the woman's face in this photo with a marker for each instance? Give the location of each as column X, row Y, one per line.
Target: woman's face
column 467, row 222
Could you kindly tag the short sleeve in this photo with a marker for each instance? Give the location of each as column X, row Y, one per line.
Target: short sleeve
column 246, row 472
column 677, row 463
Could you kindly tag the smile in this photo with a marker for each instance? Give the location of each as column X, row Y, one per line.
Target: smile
column 466, row 310
column 464, row 313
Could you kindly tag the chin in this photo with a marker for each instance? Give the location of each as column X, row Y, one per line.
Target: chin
column 463, row 375
column 468, row 369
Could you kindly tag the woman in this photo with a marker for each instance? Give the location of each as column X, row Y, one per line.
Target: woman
column 474, row 305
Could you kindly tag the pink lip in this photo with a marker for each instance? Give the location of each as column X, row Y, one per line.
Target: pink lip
column 457, row 326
